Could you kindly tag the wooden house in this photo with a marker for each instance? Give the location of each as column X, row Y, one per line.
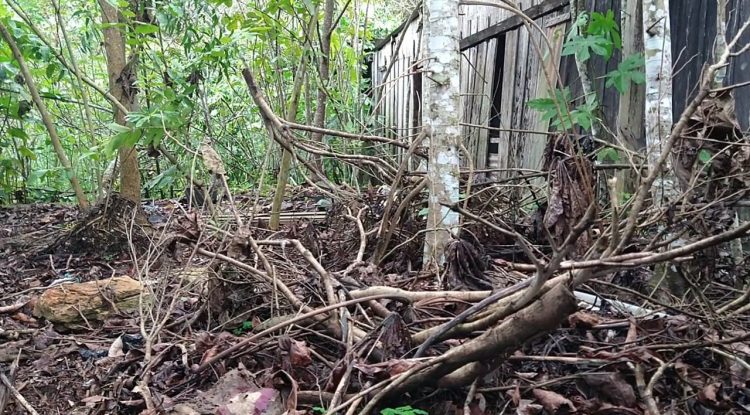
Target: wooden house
column 501, row 71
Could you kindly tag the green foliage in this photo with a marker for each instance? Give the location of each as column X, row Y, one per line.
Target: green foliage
column 608, row 154
column 555, row 110
column 583, row 46
column 597, row 34
column 244, row 328
column 403, row 410
column 629, row 70
column 704, row 156
column 189, row 88
column 605, row 26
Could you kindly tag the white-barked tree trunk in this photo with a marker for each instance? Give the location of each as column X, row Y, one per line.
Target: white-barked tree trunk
column 658, row 52
column 441, row 112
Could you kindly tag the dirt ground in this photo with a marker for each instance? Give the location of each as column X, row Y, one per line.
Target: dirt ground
column 199, row 344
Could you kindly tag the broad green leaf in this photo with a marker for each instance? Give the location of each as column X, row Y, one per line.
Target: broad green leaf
column 629, row 70
column 4, row 12
column 127, row 13
column 124, row 139
column 104, row 26
column 7, row 71
column 51, row 70
column 18, row 133
column 146, row 28
column 26, row 152
column 608, row 154
column 166, row 178
column 605, row 25
column 118, row 128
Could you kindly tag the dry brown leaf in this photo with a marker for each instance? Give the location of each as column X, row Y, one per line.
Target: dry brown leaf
column 710, row 393
column 632, row 332
column 553, row 401
column 515, row 395
column 613, row 387
column 399, row 366
column 115, row 349
column 584, row 320
column 526, row 407
column 299, row 354
column 94, row 399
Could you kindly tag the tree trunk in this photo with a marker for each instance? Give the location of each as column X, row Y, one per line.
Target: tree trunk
column 324, row 68
column 630, row 117
column 89, row 117
column 291, row 115
column 46, row 119
column 122, row 86
column 720, row 45
column 658, row 51
column 441, row 115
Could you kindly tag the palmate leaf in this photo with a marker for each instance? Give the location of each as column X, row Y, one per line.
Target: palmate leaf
column 629, row 70
column 605, row 25
column 583, row 115
column 547, row 106
column 583, row 46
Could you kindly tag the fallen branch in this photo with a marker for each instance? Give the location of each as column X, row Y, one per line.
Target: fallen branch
column 248, row 341
column 17, row 395
column 459, row 365
column 284, row 138
column 415, row 296
column 13, row 307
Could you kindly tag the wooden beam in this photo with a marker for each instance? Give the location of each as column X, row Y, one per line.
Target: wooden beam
column 511, row 23
column 379, row 43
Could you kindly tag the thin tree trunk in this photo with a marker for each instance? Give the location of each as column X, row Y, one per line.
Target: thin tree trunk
column 122, row 86
column 720, row 45
column 291, row 115
column 665, row 188
column 441, row 115
column 658, row 51
column 84, row 93
column 46, row 119
column 324, row 68
column 630, row 117
column 286, row 158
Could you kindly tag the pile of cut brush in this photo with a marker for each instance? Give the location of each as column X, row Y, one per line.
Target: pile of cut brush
column 216, row 314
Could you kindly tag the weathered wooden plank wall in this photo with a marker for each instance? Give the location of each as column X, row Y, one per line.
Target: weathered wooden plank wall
column 499, row 76
column 597, row 67
column 477, row 72
column 395, row 99
column 693, row 31
column 521, row 138
column 739, row 70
